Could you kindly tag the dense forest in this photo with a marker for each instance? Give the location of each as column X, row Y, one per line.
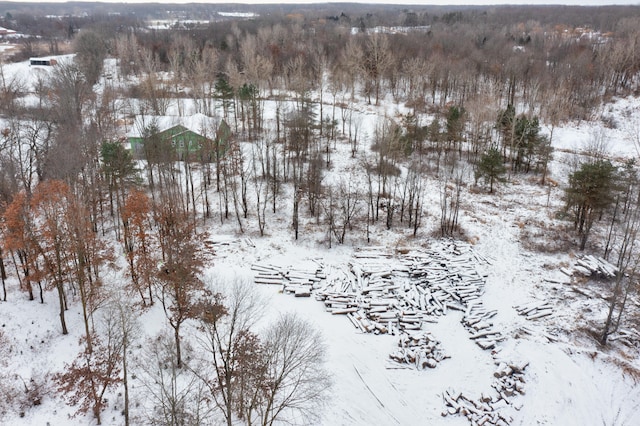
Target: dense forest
column 468, row 90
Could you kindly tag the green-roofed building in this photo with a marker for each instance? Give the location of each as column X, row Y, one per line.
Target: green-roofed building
column 180, row 135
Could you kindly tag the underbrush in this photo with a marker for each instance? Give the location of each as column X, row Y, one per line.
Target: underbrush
column 541, row 237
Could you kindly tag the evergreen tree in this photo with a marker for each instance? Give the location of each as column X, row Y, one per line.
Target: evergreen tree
column 490, row 167
column 591, row 190
column 118, row 168
column 528, row 141
column 224, row 91
column 505, row 124
column 455, row 126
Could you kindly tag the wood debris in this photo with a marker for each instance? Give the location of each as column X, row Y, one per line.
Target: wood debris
column 419, row 350
column 589, row 265
column 223, row 246
column 628, row 337
column 490, row 408
column 385, row 294
column 476, row 321
column 297, row 281
column 534, row 310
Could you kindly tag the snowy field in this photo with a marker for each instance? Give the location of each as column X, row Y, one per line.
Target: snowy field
column 568, row 380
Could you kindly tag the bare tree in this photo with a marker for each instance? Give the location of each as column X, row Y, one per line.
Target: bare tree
column 627, row 276
column 124, row 326
column 178, row 278
column 296, row 381
column 378, row 58
column 226, row 321
column 175, row 396
column 262, row 157
column 450, row 198
column 351, row 64
column 348, row 205
column 413, row 196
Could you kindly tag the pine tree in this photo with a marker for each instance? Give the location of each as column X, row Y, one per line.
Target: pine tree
column 591, row 190
column 490, row 167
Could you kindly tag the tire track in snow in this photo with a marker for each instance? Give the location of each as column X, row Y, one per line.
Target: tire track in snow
column 375, row 396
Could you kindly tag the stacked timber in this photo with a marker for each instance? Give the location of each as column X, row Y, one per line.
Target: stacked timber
column 341, row 303
column 267, row 274
column 417, row 350
column 591, row 265
column 372, row 253
column 381, row 293
column 534, row 310
column 476, row 321
column 223, row 245
column 509, row 379
column 535, row 333
column 388, row 294
column 491, row 408
column 301, row 282
column 297, row 281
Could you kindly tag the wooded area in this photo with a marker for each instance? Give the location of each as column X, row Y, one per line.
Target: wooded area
column 481, row 92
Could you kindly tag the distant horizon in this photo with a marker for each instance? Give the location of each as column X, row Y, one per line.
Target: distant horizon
column 364, row 2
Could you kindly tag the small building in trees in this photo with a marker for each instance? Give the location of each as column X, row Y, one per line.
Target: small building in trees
column 43, row 62
column 184, row 135
column 6, row 32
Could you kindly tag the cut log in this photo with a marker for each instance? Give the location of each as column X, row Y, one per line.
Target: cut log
column 343, row 311
column 486, row 344
column 540, row 314
column 302, row 292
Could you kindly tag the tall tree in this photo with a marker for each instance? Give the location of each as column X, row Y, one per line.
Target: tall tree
column 627, row 273
column 298, row 381
column 17, row 228
column 378, row 58
column 50, row 202
column 91, row 50
column 138, row 242
column 490, row 167
column 227, row 319
column 591, row 190
column 450, row 198
column 178, row 276
column 455, row 127
column 118, row 168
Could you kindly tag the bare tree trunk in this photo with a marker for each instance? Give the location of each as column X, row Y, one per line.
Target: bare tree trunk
column 3, row 276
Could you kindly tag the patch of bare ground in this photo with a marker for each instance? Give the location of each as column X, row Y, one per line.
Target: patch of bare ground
column 542, row 237
column 624, row 362
column 459, row 233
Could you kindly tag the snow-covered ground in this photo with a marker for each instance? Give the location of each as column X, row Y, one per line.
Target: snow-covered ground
column 569, row 380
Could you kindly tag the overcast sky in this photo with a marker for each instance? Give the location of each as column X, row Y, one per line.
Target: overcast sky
column 414, row 2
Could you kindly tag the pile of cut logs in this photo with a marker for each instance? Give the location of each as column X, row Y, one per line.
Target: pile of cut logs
column 382, row 294
column 490, row 409
column 297, row 281
column 534, row 310
column 222, row 245
column 476, row 322
column 589, row 265
column 267, row 274
column 419, row 350
column 629, row 337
